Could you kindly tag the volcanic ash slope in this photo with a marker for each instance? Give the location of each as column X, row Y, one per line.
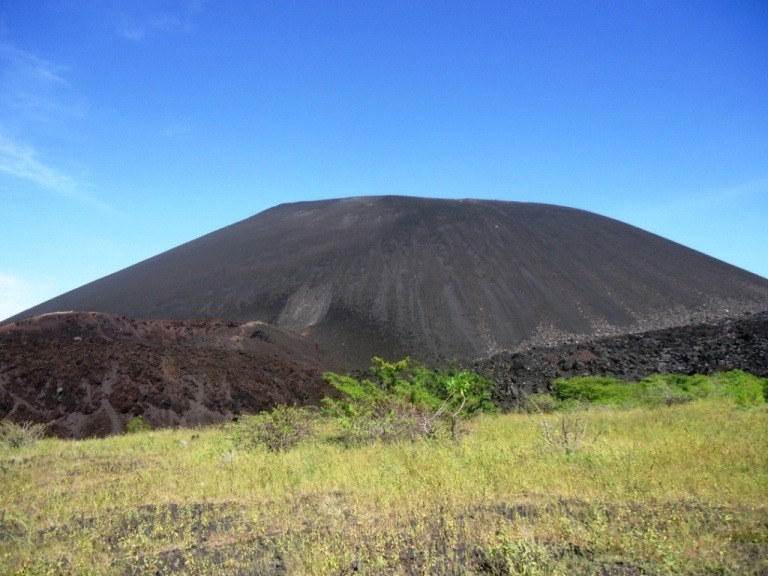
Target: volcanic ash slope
column 433, row 279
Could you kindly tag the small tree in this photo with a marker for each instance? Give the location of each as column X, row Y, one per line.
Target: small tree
column 408, row 397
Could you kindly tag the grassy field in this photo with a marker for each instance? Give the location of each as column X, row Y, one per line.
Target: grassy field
column 679, row 489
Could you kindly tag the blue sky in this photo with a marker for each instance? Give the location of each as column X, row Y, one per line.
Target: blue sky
column 128, row 127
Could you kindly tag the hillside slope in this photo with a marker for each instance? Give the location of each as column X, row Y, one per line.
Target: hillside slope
column 433, row 279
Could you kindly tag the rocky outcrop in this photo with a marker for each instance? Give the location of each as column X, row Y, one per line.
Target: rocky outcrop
column 88, row 374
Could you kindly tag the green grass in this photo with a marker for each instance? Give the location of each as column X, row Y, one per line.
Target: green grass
column 679, row 489
column 657, row 390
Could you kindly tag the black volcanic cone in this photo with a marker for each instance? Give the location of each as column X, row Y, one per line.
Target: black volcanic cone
column 434, row 279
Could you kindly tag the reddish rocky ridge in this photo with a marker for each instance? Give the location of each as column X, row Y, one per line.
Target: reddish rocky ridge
column 88, row 374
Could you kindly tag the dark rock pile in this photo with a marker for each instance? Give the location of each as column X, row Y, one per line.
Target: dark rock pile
column 728, row 344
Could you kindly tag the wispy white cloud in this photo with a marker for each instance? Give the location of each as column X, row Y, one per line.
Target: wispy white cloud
column 32, row 67
column 141, row 20
column 17, row 295
column 747, row 190
column 32, row 88
column 21, row 161
column 34, row 92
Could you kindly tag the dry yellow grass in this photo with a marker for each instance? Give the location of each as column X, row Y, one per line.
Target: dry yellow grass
column 671, row 490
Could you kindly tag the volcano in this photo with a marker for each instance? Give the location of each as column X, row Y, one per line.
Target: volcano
column 427, row 278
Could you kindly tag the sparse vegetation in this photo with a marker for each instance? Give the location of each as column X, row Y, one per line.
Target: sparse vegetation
column 278, row 430
column 570, row 397
column 662, row 489
column 14, row 435
column 568, row 433
column 137, row 424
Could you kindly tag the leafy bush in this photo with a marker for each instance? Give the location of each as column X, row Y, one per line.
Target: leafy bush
column 278, row 430
column 663, row 391
column 455, row 391
column 660, row 389
column 592, row 389
column 359, row 396
column 14, row 435
column 460, row 391
column 744, row 389
column 390, row 374
column 405, row 401
column 137, row 424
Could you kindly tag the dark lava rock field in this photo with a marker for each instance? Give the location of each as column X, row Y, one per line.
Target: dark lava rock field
column 726, row 344
column 89, row 374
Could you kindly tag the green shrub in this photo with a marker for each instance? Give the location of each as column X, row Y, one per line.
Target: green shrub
column 358, row 396
column 663, row 391
column 405, row 401
column 14, row 435
column 137, row 424
column 389, row 374
column 744, row 389
column 592, row 389
column 279, row 430
column 660, row 389
column 460, row 391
